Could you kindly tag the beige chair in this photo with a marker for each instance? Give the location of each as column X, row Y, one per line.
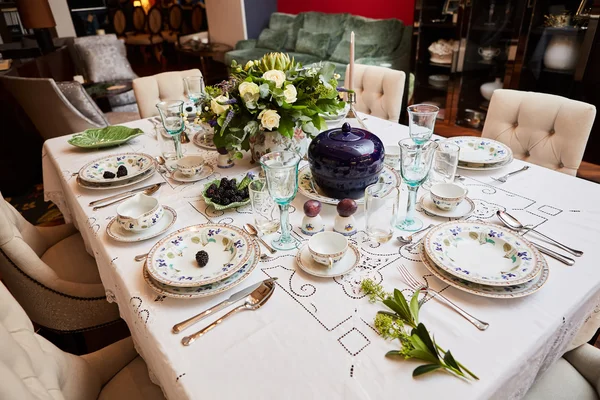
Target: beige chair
column 378, row 90
column 58, row 109
column 150, row 90
column 51, row 275
column 32, row 368
column 574, row 376
column 543, row 129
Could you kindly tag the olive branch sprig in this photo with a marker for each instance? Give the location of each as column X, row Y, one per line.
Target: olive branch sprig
column 417, row 344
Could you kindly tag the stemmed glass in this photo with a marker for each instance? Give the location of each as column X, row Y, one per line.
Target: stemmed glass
column 281, row 171
column 171, row 114
column 194, row 86
column 421, row 121
column 445, row 162
column 415, row 163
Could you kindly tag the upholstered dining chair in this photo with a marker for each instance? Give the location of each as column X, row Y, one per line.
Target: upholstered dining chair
column 50, row 273
column 574, row 376
column 33, row 368
column 378, row 90
column 150, row 90
column 540, row 128
column 60, row 108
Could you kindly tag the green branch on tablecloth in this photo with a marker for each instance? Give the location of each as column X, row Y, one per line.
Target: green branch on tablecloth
column 273, row 94
column 417, row 344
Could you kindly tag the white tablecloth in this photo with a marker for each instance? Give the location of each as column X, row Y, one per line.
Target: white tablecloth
column 314, row 338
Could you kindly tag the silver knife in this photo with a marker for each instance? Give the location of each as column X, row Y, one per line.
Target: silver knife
column 563, row 259
column 116, row 196
column 225, row 303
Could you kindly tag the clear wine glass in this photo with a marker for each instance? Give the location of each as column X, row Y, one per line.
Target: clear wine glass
column 194, row 86
column 281, row 172
column 415, row 164
column 171, row 114
column 421, row 121
column 445, row 162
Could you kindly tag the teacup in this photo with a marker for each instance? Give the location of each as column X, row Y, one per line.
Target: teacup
column 190, row 165
column 447, row 196
column 139, row 213
column 488, row 53
column 328, row 248
column 392, row 156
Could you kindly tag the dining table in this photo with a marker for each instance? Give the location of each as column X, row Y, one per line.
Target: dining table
column 315, row 338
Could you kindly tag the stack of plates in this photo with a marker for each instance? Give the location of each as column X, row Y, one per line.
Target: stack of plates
column 171, row 268
column 481, row 154
column 139, row 168
column 484, row 259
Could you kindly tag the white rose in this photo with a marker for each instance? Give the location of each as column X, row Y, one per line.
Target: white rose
column 269, row 119
column 276, row 76
column 290, row 94
column 219, row 108
column 249, row 91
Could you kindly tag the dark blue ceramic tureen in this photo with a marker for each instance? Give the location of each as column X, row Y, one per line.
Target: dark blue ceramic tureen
column 343, row 162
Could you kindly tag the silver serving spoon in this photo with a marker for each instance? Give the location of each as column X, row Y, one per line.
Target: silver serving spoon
column 253, row 302
column 514, row 223
column 253, row 232
column 408, row 239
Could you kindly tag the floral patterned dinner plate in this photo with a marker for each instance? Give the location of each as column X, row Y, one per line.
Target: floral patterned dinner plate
column 172, row 260
column 486, row 167
column 496, row 292
column 307, row 187
column 480, row 150
column 116, row 185
column 206, row 290
column 136, row 164
column 482, row 253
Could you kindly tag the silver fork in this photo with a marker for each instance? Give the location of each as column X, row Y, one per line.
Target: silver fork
column 504, row 178
column 414, row 284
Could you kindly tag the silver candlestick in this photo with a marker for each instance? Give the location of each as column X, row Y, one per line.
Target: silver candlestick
column 351, row 99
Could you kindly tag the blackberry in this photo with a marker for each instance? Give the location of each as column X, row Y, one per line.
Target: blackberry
column 202, row 258
column 238, row 199
column 210, row 193
column 229, row 193
column 224, row 182
column 233, row 184
column 217, row 199
column 108, row 175
column 122, row 171
column 213, row 187
column 225, row 201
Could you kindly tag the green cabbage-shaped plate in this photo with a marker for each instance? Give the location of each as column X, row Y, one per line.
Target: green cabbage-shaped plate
column 104, row 137
column 220, row 207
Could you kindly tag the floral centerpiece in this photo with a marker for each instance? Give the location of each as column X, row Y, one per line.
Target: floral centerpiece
column 270, row 104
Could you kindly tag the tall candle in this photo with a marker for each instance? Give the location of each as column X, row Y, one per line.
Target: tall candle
column 351, row 68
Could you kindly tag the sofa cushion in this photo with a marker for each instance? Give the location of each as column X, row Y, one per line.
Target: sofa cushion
column 319, row 22
column 79, row 98
column 342, row 51
column 243, row 56
column 71, row 262
column 386, row 34
column 312, row 43
column 288, row 23
column 272, row 40
column 304, row 58
column 106, row 61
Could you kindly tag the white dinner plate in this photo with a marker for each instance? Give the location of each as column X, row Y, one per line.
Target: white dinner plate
column 307, row 187
column 210, row 289
column 480, row 150
column 207, row 171
column 464, row 209
column 116, row 232
column 497, row 292
column 482, row 253
column 486, row 167
column 345, row 265
column 136, row 163
column 172, row 260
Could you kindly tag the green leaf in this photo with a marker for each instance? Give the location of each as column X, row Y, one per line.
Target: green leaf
column 401, row 301
column 423, row 369
column 423, row 334
column 414, row 306
column 392, row 353
column 264, row 90
column 449, row 360
column 104, row 137
column 286, row 127
column 423, row 355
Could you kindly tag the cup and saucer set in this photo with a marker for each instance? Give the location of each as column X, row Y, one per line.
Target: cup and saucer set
column 447, row 200
column 140, row 218
column 190, row 169
column 327, row 255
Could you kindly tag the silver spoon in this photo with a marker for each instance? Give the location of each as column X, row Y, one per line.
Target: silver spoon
column 141, row 257
column 253, row 232
column 253, row 302
column 408, row 239
column 514, row 223
column 148, row 192
column 163, row 163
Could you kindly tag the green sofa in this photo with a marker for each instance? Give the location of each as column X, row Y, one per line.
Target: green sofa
column 313, row 36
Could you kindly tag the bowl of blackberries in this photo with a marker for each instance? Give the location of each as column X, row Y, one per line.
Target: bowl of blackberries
column 227, row 193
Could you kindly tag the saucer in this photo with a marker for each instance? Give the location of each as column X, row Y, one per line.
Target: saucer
column 464, row 209
column 205, row 173
column 345, row 265
column 116, row 232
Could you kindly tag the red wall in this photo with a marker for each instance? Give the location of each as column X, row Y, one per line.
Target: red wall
column 401, row 9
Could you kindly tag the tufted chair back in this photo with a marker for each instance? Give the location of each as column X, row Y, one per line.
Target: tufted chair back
column 378, row 90
column 151, row 90
column 543, row 129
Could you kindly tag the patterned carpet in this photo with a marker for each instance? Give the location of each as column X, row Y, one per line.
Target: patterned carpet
column 35, row 210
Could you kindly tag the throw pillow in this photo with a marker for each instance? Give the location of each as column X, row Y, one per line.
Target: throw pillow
column 272, row 40
column 106, row 61
column 312, row 43
column 341, row 53
column 78, row 97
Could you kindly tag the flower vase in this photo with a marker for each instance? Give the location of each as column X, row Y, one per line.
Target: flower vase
column 224, row 159
column 561, row 53
column 269, row 141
